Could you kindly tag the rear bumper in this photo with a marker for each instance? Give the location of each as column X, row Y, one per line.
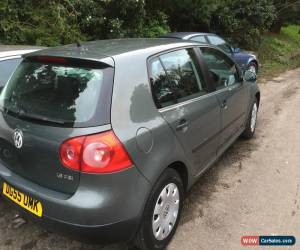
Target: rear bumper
column 105, row 208
column 115, row 232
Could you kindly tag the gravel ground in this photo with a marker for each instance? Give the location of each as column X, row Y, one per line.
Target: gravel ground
column 254, row 189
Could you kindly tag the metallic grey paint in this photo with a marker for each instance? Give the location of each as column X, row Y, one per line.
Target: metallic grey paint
column 149, row 135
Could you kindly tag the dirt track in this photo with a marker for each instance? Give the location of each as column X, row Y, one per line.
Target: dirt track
column 254, row 189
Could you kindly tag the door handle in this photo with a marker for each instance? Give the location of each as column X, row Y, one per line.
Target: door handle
column 224, row 105
column 182, row 125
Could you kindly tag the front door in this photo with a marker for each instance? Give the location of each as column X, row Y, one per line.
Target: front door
column 185, row 103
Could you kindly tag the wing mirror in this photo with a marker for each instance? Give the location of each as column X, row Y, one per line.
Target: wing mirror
column 250, row 76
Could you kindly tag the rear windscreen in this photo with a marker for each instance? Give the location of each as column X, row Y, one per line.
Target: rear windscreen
column 62, row 94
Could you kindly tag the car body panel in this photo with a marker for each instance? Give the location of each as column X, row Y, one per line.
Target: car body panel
column 204, row 122
column 38, row 159
column 7, row 54
column 233, row 116
column 113, row 203
column 243, row 59
column 106, row 49
column 97, row 205
column 133, row 108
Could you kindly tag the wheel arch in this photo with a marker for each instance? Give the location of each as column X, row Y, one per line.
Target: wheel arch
column 182, row 170
column 255, row 62
column 257, row 96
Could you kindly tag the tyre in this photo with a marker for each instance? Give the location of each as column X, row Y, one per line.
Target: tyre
column 251, row 121
column 162, row 212
column 253, row 67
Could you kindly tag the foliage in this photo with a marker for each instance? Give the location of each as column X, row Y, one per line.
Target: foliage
column 186, row 15
column 38, row 22
column 54, row 22
column 129, row 18
column 244, row 21
column 57, row 22
column 287, row 11
column 279, row 52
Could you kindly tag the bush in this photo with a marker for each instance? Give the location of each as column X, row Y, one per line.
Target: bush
column 57, row 22
column 186, row 15
column 245, row 21
column 129, row 18
column 279, row 52
column 38, row 22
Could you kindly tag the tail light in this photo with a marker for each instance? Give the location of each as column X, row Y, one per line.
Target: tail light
column 98, row 153
column 50, row 59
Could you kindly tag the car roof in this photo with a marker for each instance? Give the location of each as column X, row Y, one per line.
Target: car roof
column 5, row 54
column 16, row 50
column 186, row 35
column 102, row 49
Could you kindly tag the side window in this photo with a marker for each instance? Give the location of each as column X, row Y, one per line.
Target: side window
column 218, row 41
column 161, row 87
column 200, row 39
column 215, row 40
column 222, row 70
column 175, row 78
column 6, row 69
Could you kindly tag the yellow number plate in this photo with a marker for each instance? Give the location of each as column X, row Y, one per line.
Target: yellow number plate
column 32, row 205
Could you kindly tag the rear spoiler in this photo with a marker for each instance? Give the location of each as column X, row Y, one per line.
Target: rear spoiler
column 69, row 61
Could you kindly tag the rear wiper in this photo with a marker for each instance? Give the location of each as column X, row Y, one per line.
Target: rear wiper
column 24, row 114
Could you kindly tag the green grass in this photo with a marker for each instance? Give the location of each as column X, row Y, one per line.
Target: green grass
column 280, row 52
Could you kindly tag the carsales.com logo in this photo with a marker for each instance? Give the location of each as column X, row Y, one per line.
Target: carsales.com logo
column 268, row 240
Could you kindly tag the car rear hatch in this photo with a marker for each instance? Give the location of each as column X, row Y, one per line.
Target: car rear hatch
column 47, row 101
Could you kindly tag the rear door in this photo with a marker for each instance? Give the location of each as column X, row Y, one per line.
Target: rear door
column 185, row 103
column 45, row 102
column 230, row 90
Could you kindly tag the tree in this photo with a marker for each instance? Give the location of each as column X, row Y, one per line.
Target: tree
column 54, row 22
column 38, row 22
column 286, row 11
column 244, row 21
column 186, row 15
column 120, row 18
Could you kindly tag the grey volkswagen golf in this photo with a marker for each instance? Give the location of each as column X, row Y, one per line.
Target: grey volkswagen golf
column 102, row 140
